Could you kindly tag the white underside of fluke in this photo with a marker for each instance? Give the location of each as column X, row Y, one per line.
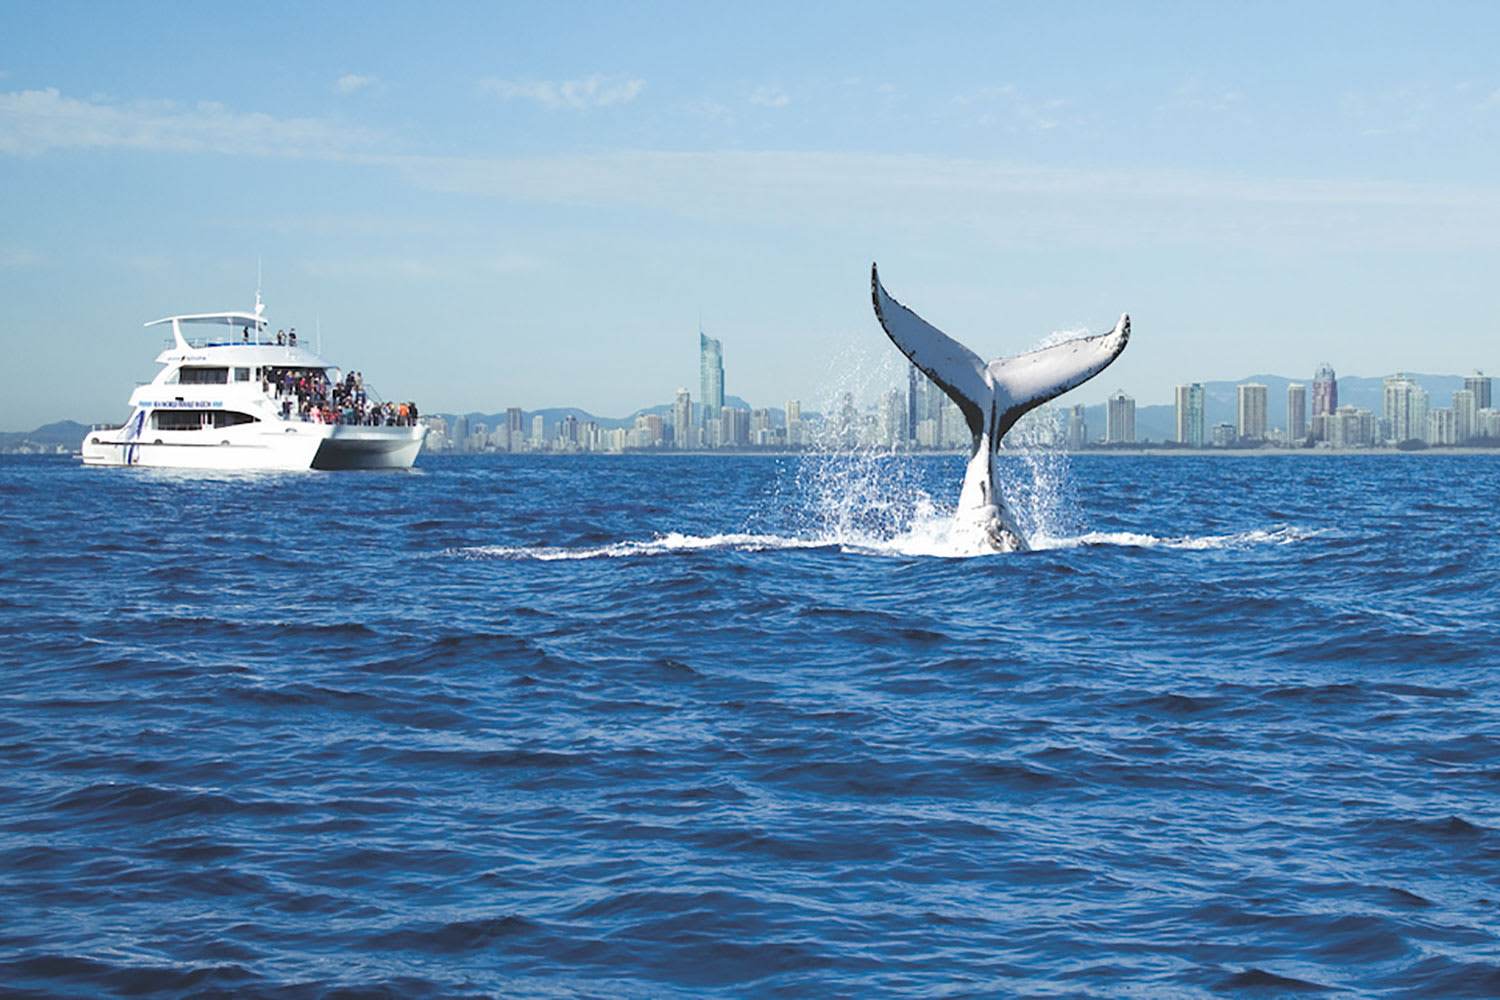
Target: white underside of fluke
column 992, row 397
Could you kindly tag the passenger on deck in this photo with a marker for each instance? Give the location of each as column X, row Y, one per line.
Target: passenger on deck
column 291, row 337
column 280, row 338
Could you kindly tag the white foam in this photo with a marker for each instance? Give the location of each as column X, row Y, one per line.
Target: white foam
column 934, row 537
column 1283, row 535
column 661, row 545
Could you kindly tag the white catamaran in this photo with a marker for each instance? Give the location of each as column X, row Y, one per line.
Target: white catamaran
column 245, row 400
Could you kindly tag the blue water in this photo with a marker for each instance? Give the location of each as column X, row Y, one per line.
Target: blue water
column 700, row 726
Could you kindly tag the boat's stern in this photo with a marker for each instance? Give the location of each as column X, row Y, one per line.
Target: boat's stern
column 352, row 446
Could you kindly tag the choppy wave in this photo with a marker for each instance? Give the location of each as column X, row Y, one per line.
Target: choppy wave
column 686, row 727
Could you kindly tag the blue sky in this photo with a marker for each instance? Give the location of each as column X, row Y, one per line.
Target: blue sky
column 537, row 204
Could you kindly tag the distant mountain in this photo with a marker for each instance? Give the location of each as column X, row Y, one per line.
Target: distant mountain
column 63, row 432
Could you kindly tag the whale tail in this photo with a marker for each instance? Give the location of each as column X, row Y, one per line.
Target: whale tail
column 993, row 396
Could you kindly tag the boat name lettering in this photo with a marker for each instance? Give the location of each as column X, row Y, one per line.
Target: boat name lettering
column 189, row 404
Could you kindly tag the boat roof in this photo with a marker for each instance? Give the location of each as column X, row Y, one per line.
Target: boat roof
column 228, row 318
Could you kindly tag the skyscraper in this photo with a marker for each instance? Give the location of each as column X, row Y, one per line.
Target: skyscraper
column 794, row 422
column 892, row 419
column 735, row 427
column 1479, row 385
column 1296, row 413
column 1252, row 398
column 515, row 428
column 1325, row 392
column 1464, row 415
column 1078, row 427
column 710, row 377
column 1120, row 419
column 1405, row 409
column 684, row 434
column 1192, row 413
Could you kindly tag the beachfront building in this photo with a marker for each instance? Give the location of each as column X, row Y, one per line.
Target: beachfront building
column 1078, row 427
column 1442, row 427
column 1325, row 398
column 1351, row 427
column 1405, row 409
column 1296, row 413
column 1479, row 385
column 1251, row 398
column 1192, row 414
column 710, row 382
column 1119, row 419
column 684, row 434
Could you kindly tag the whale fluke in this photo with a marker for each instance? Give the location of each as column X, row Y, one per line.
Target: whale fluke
column 992, row 396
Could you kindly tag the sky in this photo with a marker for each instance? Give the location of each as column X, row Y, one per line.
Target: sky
column 520, row 204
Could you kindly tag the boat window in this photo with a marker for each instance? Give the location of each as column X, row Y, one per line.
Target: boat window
column 178, row 420
column 242, row 374
column 229, row 418
column 202, row 376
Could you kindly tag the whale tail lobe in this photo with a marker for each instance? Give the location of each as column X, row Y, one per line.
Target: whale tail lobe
column 993, row 396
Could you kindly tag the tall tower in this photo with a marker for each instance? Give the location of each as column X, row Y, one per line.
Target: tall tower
column 1252, row 411
column 1120, row 419
column 1192, row 410
column 710, row 377
column 1325, row 392
column 684, row 434
column 1296, row 413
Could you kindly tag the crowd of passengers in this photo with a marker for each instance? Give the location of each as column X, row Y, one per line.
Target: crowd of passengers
column 309, row 395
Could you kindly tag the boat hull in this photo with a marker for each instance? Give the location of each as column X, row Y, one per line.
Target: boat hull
column 287, row 447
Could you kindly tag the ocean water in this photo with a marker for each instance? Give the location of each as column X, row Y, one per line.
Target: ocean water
column 751, row 727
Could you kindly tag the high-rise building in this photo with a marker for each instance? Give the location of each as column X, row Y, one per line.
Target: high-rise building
column 1442, row 427
column 1325, row 391
column 461, row 432
column 538, row 432
column 710, row 377
column 1252, row 411
column 893, row 410
column 515, row 428
column 924, row 402
column 1351, row 427
column 1078, row 427
column 735, row 427
column 794, row 431
column 1119, row 422
column 1192, row 414
column 1405, row 409
column 1487, row 423
column 1479, row 385
column 1296, row 413
column 684, row 434
column 1465, row 412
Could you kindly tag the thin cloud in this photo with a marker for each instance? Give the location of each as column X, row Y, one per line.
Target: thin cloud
column 33, row 122
column 1022, row 201
column 769, row 97
column 350, row 82
column 595, row 91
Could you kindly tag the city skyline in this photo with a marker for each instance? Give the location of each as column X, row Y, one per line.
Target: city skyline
column 527, row 204
column 918, row 415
